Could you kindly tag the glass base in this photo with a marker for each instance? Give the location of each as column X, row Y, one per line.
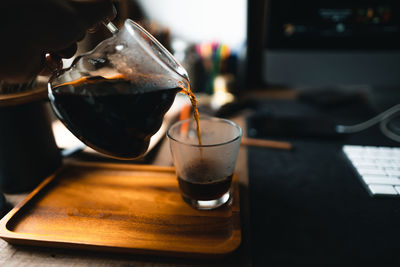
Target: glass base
column 208, row 204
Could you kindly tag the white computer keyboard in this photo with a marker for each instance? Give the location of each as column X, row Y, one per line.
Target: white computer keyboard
column 378, row 168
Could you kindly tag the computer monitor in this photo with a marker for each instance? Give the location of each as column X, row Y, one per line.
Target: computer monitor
column 330, row 42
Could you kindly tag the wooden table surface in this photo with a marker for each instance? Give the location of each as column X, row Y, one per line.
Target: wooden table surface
column 12, row 255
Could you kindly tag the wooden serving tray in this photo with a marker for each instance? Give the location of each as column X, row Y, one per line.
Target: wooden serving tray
column 121, row 208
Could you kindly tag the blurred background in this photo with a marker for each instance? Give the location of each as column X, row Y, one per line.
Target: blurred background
column 344, row 47
column 207, row 37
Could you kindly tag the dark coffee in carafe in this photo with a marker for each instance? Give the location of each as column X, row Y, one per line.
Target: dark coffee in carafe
column 111, row 115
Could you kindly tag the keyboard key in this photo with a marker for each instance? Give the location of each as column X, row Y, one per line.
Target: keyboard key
column 382, row 190
column 381, row 180
column 373, row 171
column 384, row 163
column 386, row 150
column 364, row 161
column 393, row 173
column 361, row 166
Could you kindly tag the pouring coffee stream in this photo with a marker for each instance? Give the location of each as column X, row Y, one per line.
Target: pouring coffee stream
column 114, row 98
column 185, row 90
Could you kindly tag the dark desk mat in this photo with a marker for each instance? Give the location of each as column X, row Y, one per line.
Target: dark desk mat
column 308, row 207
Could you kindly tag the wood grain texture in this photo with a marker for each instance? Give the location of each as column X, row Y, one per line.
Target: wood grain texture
column 266, row 143
column 121, row 208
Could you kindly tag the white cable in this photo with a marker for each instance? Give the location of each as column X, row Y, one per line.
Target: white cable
column 386, row 131
column 366, row 124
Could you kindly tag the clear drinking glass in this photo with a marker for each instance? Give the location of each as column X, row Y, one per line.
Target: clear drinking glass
column 205, row 171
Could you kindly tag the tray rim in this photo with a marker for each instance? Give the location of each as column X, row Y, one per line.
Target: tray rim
column 228, row 246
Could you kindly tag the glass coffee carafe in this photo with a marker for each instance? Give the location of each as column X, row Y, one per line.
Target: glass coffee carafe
column 114, row 98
